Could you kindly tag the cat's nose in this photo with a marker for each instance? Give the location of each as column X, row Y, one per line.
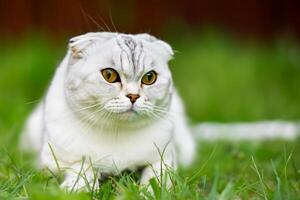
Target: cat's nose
column 133, row 97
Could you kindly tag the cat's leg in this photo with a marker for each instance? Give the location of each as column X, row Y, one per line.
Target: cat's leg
column 80, row 176
column 159, row 170
column 31, row 136
column 184, row 142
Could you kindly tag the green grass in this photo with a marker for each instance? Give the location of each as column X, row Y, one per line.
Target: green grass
column 224, row 170
column 219, row 78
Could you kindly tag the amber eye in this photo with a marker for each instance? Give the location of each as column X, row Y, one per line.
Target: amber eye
column 149, row 78
column 110, row 75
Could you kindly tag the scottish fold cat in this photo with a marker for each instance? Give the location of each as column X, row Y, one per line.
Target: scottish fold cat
column 111, row 106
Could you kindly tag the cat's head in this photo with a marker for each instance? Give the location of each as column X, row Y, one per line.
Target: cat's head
column 118, row 76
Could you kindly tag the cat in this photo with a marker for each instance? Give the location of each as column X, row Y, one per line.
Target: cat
column 111, row 106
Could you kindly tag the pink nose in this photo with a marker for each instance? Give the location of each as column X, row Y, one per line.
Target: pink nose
column 133, row 97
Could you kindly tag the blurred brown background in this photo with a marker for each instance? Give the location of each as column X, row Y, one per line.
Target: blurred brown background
column 251, row 18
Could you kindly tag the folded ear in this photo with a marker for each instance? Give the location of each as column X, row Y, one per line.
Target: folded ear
column 165, row 48
column 79, row 44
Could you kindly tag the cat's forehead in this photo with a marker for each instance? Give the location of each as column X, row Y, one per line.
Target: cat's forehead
column 132, row 58
column 129, row 41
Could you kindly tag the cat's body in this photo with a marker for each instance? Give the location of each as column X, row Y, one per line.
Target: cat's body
column 83, row 115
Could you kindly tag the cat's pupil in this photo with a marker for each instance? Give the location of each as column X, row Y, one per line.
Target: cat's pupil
column 108, row 74
column 149, row 76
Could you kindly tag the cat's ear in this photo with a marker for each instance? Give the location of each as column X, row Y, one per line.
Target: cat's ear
column 165, row 48
column 79, row 44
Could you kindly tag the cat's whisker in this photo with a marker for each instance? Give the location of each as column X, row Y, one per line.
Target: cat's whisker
column 70, row 113
column 112, row 121
column 166, row 112
column 91, row 99
column 160, row 117
column 116, row 127
column 91, row 121
column 161, row 111
column 87, row 119
column 104, row 118
column 105, row 24
column 92, row 106
column 112, row 21
column 92, row 19
column 33, row 101
column 158, row 107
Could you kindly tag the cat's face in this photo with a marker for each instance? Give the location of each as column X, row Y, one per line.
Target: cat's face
column 125, row 77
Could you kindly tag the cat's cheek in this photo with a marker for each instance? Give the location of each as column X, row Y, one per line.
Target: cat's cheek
column 73, row 84
column 156, row 92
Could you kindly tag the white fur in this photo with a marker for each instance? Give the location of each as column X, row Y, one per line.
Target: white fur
column 115, row 138
column 248, row 131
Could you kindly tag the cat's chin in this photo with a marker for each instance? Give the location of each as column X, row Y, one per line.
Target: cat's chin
column 127, row 120
column 129, row 115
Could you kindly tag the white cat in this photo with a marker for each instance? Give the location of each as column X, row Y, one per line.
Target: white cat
column 112, row 101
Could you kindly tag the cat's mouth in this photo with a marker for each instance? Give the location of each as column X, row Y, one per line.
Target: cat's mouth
column 131, row 111
column 128, row 115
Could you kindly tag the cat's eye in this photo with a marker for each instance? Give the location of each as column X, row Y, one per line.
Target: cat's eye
column 149, row 78
column 110, row 75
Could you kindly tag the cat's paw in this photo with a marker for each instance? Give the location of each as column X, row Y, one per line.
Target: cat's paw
column 76, row 184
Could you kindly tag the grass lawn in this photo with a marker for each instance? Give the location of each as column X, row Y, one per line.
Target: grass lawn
column 219, row 78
